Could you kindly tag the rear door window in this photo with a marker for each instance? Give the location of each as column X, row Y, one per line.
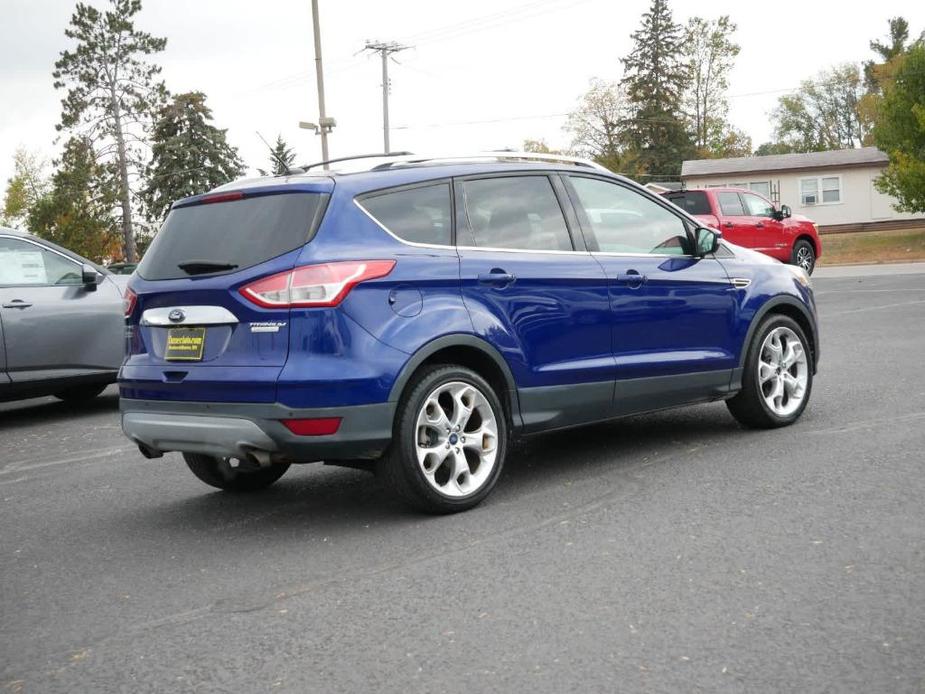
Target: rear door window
column 239, row 233
column 691, row 201
column 520, row 212
column 730, row 204
column 420, row 215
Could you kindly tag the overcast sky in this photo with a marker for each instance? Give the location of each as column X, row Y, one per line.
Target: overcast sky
column 483, row 74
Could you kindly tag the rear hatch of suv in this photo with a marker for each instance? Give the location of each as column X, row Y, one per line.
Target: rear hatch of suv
column 192, row 331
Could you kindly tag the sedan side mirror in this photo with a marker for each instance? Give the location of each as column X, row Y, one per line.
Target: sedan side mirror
column 89, row 277
column 707, row 241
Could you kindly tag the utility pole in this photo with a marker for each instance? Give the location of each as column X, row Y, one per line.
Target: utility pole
column 319, row 76
column 385, row 50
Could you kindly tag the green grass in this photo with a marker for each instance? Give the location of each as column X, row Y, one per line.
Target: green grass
column 873, row 247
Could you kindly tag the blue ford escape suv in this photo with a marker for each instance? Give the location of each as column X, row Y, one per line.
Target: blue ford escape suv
column 414, row 316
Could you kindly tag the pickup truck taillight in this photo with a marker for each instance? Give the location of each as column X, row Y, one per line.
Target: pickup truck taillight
column 314, row 286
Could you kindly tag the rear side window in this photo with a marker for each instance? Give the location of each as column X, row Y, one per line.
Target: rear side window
column 519, row 212
column 418, row 215
column 691, row 201
column 730, row 204
column 239, row 233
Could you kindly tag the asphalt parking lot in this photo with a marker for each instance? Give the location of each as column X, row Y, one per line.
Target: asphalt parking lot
column 674, row 552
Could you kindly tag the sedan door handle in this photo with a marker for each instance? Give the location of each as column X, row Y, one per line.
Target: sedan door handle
column 17, row 303
column 496, row 277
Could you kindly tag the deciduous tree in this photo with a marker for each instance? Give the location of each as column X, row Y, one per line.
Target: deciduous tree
column 28, row 184
column 77, row 212
column 710, row 55
column 900, row 132
column 823, row 113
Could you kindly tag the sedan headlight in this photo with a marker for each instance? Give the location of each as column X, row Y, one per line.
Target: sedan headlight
column 801, row 276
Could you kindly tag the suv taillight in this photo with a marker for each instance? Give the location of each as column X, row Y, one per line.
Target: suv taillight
column 129, row 300
column 314, row 285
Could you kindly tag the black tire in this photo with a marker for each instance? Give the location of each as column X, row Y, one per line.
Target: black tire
column 399, row 470
column 804, row 255
column 216, row 472
column 79, row 394
column 749, row 406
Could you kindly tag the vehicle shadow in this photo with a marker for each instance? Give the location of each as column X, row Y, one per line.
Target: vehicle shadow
column 339, row 501
column 47, row 411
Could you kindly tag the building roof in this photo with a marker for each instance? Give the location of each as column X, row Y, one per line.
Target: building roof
column 864, row 156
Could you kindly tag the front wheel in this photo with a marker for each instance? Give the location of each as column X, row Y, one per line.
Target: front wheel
column 449, row 441
column 804, row 256
column 778, row 377
column 219, row 473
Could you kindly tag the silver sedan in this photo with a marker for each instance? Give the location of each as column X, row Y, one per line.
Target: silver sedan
column 61, row 321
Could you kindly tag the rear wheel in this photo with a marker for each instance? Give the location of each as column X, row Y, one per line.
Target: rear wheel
column 222, row 474
column 80, row 394
column 804, row 256
column 449, row 441
column 778, row 377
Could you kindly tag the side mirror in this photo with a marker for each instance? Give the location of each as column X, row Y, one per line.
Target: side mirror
column 89, row 277
column 785, row 211
column 707, row 241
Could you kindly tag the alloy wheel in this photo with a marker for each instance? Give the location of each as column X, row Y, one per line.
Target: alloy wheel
column 783, row 371
column 456, row 436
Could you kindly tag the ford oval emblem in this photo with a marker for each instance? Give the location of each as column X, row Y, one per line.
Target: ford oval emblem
column 176, row 316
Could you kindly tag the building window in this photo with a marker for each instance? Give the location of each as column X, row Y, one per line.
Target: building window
column 761, row 187
column 820, row 191
column 831, row 189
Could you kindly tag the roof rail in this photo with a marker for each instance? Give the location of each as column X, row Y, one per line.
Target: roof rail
column 499, row 155
column 379, row 155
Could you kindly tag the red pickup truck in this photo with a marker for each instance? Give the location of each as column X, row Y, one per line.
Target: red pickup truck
column 747, row 219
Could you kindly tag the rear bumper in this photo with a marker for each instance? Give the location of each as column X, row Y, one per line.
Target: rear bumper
column 244, row 430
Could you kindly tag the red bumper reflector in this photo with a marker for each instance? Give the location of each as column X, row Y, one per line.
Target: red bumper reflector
column 322, row 426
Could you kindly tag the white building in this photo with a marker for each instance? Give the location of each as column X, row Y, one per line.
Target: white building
column 832, row 188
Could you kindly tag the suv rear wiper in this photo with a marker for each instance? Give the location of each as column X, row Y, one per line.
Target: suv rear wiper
column 200, row 267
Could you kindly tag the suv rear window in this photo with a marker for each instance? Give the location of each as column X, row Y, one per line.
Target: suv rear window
column 242, row 233
column 691, row 201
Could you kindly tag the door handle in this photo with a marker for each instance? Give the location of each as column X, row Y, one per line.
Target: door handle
column 728, row 225
column 631, row 278
column 17, row 303
column 760, row 225
column 497, row 277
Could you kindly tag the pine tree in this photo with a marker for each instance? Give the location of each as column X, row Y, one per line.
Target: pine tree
column 189, row 155
column 77, row 212
column 111, row 92
column 281, row 159
column 654, row 81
